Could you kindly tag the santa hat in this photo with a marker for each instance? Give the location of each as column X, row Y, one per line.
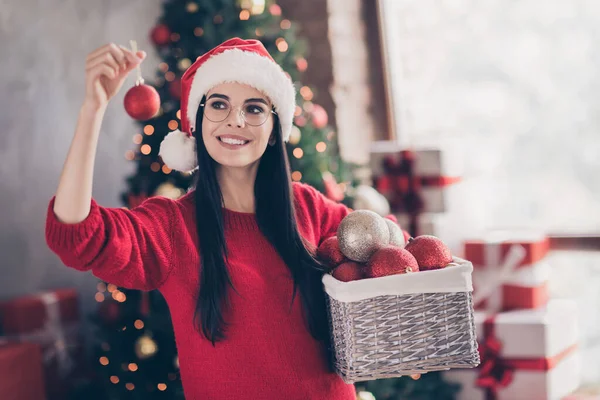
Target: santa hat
column 236, row 60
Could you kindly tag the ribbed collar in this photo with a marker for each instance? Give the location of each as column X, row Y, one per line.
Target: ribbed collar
column 239, row 221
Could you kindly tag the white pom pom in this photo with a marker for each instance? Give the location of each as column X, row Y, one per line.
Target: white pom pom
column 178, row 151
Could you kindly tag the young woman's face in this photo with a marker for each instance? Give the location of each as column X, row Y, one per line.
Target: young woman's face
column 237, row 124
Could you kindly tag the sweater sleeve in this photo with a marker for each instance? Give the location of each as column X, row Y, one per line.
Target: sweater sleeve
column 332, row 213
column 129, row 248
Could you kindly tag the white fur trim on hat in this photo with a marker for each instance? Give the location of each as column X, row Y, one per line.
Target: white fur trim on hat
column 249, row 68
column 178, row 151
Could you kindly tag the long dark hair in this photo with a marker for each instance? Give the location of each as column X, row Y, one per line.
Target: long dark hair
column 275, row 215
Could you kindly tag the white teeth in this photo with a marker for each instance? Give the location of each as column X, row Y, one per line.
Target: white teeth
column 233, row 141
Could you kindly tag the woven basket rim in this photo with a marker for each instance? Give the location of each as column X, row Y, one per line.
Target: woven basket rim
column 452, row 279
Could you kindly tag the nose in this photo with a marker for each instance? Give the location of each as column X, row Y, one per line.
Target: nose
column 235, row 118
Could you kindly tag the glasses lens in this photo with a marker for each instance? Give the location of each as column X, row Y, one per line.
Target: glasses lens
column 217, row 110
column 255, row 114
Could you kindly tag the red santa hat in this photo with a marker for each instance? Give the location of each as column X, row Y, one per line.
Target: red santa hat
column 236, row 60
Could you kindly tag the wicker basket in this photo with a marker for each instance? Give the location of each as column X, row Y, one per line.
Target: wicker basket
column 403, row 324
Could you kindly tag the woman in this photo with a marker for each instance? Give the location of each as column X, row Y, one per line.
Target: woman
column 228, row 256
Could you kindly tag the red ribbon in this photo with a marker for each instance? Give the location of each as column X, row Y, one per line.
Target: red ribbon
column 403, row 188
column 496, row 372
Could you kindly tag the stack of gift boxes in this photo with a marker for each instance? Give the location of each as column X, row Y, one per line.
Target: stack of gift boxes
column 527, row 341
column 40, row 345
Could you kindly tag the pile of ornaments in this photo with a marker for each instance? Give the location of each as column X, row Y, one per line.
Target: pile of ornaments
column 368, row 245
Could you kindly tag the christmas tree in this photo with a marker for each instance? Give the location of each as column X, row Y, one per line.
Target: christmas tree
column 188, row 29
column 134, row 350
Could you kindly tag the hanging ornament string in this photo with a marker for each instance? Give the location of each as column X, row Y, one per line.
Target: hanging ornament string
column 134, row 48
column 142, row 102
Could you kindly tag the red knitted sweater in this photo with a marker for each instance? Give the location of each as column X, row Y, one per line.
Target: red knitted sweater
column 269, row 352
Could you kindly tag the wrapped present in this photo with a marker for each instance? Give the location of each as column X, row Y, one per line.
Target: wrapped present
column 503, row 282
column 427, row 223
column 21, row 371
column 414, row 180
column 50, row 319
column 402, row 324
column 430, row 160
column 525, row 355
column 585, row 393
column 496, row 244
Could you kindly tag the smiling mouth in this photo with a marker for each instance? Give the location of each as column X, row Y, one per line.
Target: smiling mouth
column 230, row 141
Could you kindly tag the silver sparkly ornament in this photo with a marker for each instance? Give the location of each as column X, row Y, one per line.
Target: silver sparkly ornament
column 396, row 235
column 361, row 233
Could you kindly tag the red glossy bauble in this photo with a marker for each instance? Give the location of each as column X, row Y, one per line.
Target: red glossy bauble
column 390, row 260
column 175, row 88
column 430, row 252
column 349, row 271
column 142, row 102
column 329, row 252
column 160, row 35
column 319, row 116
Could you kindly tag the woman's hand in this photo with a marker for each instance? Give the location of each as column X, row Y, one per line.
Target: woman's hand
column 105, row 71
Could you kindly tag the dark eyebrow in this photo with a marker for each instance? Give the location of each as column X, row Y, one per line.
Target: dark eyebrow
column 256, row 100
column 221, row 96
column 252, row 100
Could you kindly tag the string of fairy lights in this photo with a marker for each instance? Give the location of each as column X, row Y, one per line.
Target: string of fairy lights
column 249, row 8
column 145, row 346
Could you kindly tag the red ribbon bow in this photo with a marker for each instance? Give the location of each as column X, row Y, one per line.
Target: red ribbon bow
column 402, row 187
column 494, row 372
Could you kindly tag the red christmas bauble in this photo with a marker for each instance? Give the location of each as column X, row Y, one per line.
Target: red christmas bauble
column 175, row 88
column 390, row 260
column 430, row 252
column 348, row 271
column 160, row 35
column 109, row 311
column 329, row 251
column 142, row 102
column 319, row 116
column 300, row 121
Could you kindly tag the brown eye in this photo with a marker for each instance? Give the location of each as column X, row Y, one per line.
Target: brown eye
column 219, row 105
column 254, row 109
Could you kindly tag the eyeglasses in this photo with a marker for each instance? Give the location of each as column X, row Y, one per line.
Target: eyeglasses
column 217, row 110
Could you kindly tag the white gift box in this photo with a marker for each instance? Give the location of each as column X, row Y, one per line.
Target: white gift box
column 542, row 345
column 429, row 161
column 427, row 223
column 437, row 171
column 525, row 287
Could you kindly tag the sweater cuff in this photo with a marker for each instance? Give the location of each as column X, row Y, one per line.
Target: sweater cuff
column 61, row 234
column 392, row 217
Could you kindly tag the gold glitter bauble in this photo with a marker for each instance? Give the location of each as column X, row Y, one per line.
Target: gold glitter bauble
column 191, row 7
column 363, row 395
column 361, row 233
column 184, row 64
column 396, row 235
column 145, row 347
column 295, row 135
column 169, row 191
